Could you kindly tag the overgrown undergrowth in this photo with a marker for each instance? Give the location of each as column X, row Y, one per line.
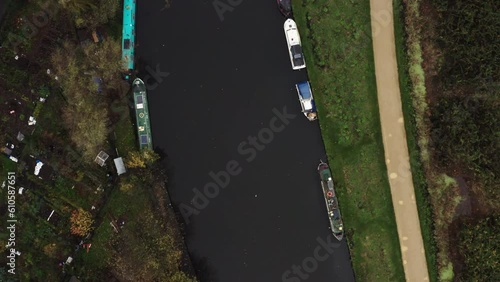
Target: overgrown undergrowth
column 454, row 76
column 439, row 192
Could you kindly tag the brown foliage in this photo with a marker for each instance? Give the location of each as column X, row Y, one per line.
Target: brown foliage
column 141, row 159
column 86, row 116
column 81, row 222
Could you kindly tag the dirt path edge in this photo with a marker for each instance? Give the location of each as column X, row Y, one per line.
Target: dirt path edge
column 394, row 139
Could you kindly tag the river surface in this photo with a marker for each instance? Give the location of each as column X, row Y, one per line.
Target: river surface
column 229, row 80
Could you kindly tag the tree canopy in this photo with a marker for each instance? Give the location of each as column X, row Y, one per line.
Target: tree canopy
column 86, row 116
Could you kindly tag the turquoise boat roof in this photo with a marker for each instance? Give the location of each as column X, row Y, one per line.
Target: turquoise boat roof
column 128, row 34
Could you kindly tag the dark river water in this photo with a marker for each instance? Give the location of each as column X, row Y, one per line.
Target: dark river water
column 228, row 110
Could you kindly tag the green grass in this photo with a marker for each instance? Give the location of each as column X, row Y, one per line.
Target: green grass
column 124, row 131
column 338, row 50
column 6, row 166
column 119, row 204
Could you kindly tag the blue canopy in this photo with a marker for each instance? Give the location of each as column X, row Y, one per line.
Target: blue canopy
column 304, row 89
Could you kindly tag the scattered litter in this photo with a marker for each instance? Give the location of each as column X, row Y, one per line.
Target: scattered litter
column 50, row 215
column 38, row 167
column 31, row 121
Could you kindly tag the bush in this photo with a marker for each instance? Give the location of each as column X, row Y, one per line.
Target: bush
column 81, row 222
column 465, row 133
column 468, row 31
column 479, row 246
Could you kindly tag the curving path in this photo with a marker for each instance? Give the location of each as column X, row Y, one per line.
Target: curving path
column 395, row 146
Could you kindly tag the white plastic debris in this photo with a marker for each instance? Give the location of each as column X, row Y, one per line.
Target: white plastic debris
column 50, row 215
column 38, row 167
column 31, row 121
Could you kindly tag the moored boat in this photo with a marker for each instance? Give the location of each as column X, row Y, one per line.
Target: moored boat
column 142, row 114
column 285, row 7
column 306, row 100
column 294, row 45
column 331, row 201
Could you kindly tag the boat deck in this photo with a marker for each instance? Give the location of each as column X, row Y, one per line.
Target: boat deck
column 128, row 34
column 331, row 201
column 142, row 115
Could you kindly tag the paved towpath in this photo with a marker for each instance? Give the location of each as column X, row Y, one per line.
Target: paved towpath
column 395, row 146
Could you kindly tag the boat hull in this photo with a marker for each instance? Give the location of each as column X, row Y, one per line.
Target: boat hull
column 294, row 45
column 142, row 114
column 331, row 201
column 306, row 99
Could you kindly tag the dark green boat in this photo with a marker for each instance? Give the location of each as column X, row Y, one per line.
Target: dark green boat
column 332, row 204
column 142, row 114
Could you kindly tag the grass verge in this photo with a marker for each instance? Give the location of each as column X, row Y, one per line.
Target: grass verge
column 338, row 49
column 417, row 170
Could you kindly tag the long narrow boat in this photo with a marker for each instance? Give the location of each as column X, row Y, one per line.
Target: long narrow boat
column 142, row 114
column 332, row 204
column 128, row 35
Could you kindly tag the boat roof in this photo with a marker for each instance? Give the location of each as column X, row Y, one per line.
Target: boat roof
column 304, row 90
column 128, row 32
column 307, row 105
column 142, row 114
column 293, row 36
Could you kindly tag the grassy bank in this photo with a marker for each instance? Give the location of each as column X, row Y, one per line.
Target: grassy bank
column 419, row 180
column 145, row 244
column 338, row 49
column 132, row 229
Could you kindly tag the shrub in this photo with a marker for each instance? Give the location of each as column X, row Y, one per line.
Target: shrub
column 479, row 246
